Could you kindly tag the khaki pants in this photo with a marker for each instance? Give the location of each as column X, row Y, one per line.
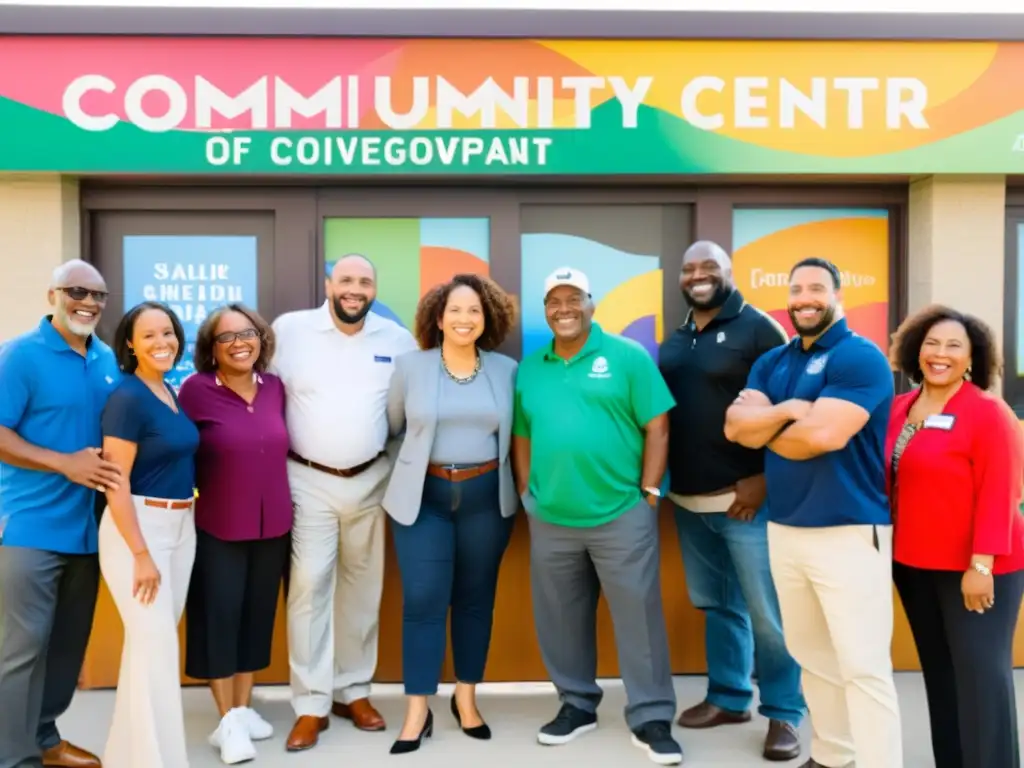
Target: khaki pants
column 335, row 587
column 835, row 592
column 148, row 727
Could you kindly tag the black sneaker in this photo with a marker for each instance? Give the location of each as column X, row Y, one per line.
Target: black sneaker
column 568, row 724
column 656, row 738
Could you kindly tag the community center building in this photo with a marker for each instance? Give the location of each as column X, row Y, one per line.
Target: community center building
column 203, row 155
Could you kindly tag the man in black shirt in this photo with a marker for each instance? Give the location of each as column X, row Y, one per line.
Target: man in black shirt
column 718, row 489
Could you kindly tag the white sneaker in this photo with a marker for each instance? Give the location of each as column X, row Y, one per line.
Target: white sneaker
column 232, row 739
column 259, row 728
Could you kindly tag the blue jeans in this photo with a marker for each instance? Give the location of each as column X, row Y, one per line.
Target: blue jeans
column 449, row 558
column 728, row 577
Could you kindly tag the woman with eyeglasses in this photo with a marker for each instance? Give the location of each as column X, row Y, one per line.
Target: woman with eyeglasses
column 243, row 519
column 147, row 538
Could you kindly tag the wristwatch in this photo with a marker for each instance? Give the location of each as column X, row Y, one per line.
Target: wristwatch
column 650, row 490
column 984, row 570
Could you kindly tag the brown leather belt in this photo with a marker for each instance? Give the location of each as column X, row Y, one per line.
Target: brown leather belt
column 459, row 474
column 350, row 472
column 165, row 504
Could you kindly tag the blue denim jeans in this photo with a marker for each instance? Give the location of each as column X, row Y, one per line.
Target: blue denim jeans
column 728, row 577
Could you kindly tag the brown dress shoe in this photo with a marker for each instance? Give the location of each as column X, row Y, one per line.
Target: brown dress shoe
column 782, row 742
column 362, row 714
column 67, row 755
column 706, row 715
column 306, row 732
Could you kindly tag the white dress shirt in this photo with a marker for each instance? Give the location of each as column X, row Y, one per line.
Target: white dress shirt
column 336, row 385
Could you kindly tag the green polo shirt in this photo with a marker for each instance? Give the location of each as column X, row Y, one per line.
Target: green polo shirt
column 584, row 419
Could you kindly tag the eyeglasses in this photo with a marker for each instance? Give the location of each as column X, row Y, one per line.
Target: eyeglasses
column 227, row 338
column 77, row 293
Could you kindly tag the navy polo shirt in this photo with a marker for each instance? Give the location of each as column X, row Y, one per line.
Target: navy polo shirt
column 844, row 487
column 52, row 397
column 165, row 442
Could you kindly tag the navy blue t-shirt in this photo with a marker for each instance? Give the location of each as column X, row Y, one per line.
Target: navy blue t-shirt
column 844, row 487
column 166, row 441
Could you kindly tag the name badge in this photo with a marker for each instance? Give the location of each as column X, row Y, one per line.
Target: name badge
column 381, row 359
column 943, row 421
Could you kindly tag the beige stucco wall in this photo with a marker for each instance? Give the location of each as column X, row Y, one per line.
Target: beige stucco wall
column 956, row 243
column 39, row 228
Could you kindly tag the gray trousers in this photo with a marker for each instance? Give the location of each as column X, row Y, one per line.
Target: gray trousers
column 569, row 568
column 46, row 609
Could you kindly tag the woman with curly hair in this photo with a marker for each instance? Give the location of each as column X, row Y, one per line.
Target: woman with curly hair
column 955, row 463
column 451, row 496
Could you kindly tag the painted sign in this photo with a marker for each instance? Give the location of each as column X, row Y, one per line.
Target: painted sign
column 768, row 242
column 378, row 106
column 193, row 275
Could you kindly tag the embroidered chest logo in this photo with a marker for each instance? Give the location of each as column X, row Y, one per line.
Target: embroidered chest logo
column 720, row 337
column 817, row 364
column 599, row 370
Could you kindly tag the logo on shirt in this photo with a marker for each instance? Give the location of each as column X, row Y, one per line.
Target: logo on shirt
column 720, row 337
column 817, row 364
column 381, row 359
column 109, row 379
column 599, row 370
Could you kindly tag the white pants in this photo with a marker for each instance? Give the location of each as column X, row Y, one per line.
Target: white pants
column 337, row 577
column 835, row 591
column 148, row 727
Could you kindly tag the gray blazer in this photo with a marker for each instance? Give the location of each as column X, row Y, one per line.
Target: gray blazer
column 412, row 418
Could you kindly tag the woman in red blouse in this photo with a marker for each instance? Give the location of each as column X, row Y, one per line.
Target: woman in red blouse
column 955, row 464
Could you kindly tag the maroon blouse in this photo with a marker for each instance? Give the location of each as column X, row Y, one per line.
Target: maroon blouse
column 241, row 465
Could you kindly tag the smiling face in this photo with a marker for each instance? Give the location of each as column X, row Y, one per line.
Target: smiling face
column 351, row 289
column 236, row 343
column 813, row 300
column 78, row 300
column 568, row 311
column 945, row 353
column 705, row 280
column 462, row 320
column 153, row 342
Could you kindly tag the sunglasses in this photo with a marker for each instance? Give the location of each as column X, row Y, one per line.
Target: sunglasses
column 227, row 338
column 80, row 294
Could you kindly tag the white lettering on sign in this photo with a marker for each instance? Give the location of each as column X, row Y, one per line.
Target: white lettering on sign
column 190, row 289
column 706, row 101
column 759, row 278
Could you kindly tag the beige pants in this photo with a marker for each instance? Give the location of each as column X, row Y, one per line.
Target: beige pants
column 336, row 583
column 835, row 591
column 148, row 726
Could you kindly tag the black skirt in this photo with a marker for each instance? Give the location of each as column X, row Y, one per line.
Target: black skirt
column 232, row 605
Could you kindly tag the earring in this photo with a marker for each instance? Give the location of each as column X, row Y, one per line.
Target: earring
column 967, row 375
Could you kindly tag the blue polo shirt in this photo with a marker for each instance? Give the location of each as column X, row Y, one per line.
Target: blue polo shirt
column 844, row 487
column 52, row 397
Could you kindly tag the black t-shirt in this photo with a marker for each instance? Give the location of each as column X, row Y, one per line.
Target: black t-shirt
column 705, row 371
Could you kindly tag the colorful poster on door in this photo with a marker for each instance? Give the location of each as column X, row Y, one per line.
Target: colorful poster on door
column 767, row 242
column 193, row 275
column 1020, row 299
column 411, row 255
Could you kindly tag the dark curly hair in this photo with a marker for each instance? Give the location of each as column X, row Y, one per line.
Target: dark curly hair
column 905, row 353
column 203, row 358
column 127, row 361
column 499, row 311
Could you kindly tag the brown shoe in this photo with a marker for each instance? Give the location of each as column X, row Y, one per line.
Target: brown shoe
column 706, row 715
column 67, row 755
column 362, row 714
column 782, row 742
column 306, row 733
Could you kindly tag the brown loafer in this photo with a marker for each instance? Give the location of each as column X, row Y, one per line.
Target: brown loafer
column 362, row 714
column 306, row 733
column 706, row 715
column 782, row 742
column 67, row 755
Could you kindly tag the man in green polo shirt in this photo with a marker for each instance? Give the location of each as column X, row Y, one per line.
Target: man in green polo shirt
column 590, row 447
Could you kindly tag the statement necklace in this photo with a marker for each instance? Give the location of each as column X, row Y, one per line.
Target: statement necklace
column 461, row 379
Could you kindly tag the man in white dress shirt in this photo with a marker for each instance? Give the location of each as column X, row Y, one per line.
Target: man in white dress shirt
column 336, row 363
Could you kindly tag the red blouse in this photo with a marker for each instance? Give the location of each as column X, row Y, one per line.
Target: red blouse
column 958, row 488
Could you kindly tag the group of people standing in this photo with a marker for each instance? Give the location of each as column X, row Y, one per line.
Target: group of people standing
column 795, row 474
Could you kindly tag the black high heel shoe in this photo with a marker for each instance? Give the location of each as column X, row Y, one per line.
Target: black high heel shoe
column 404, row 747
column 481, row 732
